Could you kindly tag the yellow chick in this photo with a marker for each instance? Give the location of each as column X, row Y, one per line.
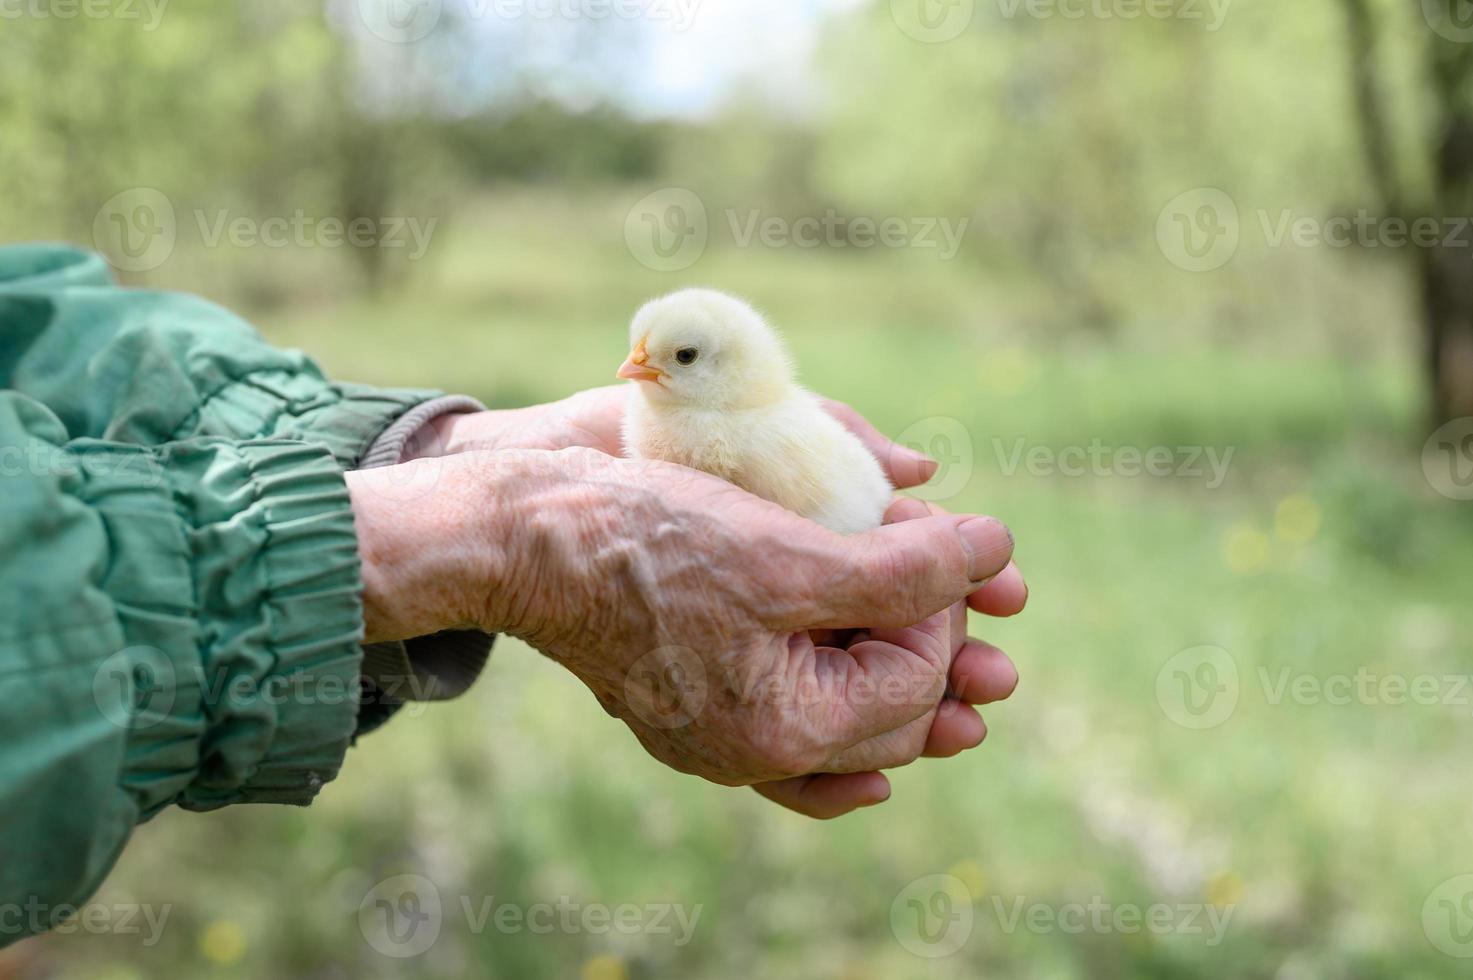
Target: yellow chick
column 714, row 390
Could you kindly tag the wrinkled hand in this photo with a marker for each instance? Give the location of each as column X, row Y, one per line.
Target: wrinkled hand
column 980, row 673
column 686, row 604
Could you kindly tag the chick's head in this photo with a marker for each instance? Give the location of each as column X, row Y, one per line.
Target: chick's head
column 702, row 348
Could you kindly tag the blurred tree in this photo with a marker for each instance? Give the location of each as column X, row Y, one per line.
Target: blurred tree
column 1439, row 186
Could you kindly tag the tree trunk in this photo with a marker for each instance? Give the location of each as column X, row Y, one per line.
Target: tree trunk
column 1447, row 313
column 1446, row 270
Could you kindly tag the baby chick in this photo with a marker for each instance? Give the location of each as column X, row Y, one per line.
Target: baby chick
column 714, row 390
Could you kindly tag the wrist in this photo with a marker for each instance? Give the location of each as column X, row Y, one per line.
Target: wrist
column 430, row 544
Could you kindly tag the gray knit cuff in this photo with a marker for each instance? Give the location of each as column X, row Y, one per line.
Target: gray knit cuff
column 392, row 444
column 443, row 665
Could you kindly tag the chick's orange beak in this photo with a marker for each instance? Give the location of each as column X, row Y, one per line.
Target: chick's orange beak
column 636, row 366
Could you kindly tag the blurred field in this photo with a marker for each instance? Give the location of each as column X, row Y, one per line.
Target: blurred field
column 1320, row 829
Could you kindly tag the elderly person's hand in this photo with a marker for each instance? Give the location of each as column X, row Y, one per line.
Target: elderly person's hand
column 593, row 419
column 676, row 679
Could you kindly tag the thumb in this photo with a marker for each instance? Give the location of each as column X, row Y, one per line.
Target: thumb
column 899, row 574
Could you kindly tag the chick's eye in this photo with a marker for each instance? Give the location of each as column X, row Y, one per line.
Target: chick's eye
column 687, row 355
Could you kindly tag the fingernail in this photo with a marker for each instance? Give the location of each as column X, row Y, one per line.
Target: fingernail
column 987, row 543
column 912, row 466
column 926, row 464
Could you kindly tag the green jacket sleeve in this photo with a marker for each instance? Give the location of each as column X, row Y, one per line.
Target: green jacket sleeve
column 180, row 618
column 178, row 624
column 151, row 367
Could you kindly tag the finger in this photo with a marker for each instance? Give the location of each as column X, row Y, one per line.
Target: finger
column 910, row 509
column 904, row 466
column 957, row 727
column 982, row 674
column 875, row 687
column 828, row 795
column 898, row 574
column 1005, row 595
column 887, row 750
column 950, row 729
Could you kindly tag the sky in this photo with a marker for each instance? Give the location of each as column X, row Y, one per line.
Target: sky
column 677, row 58
column 763, row 47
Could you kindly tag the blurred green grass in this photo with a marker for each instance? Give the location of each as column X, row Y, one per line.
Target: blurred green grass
column 1323, row 827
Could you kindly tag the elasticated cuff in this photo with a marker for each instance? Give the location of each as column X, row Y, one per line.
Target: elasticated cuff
column 251, row 670
column 393, row 443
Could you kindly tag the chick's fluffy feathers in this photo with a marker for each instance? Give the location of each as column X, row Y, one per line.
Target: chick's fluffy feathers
column 735, row 411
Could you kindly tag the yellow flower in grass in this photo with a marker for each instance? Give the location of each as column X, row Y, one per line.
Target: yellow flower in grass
column 1297, row 519
column 1224, row 888
column 604, row 967
column 222, row 942
column 1246, row 550
column 970, row 873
